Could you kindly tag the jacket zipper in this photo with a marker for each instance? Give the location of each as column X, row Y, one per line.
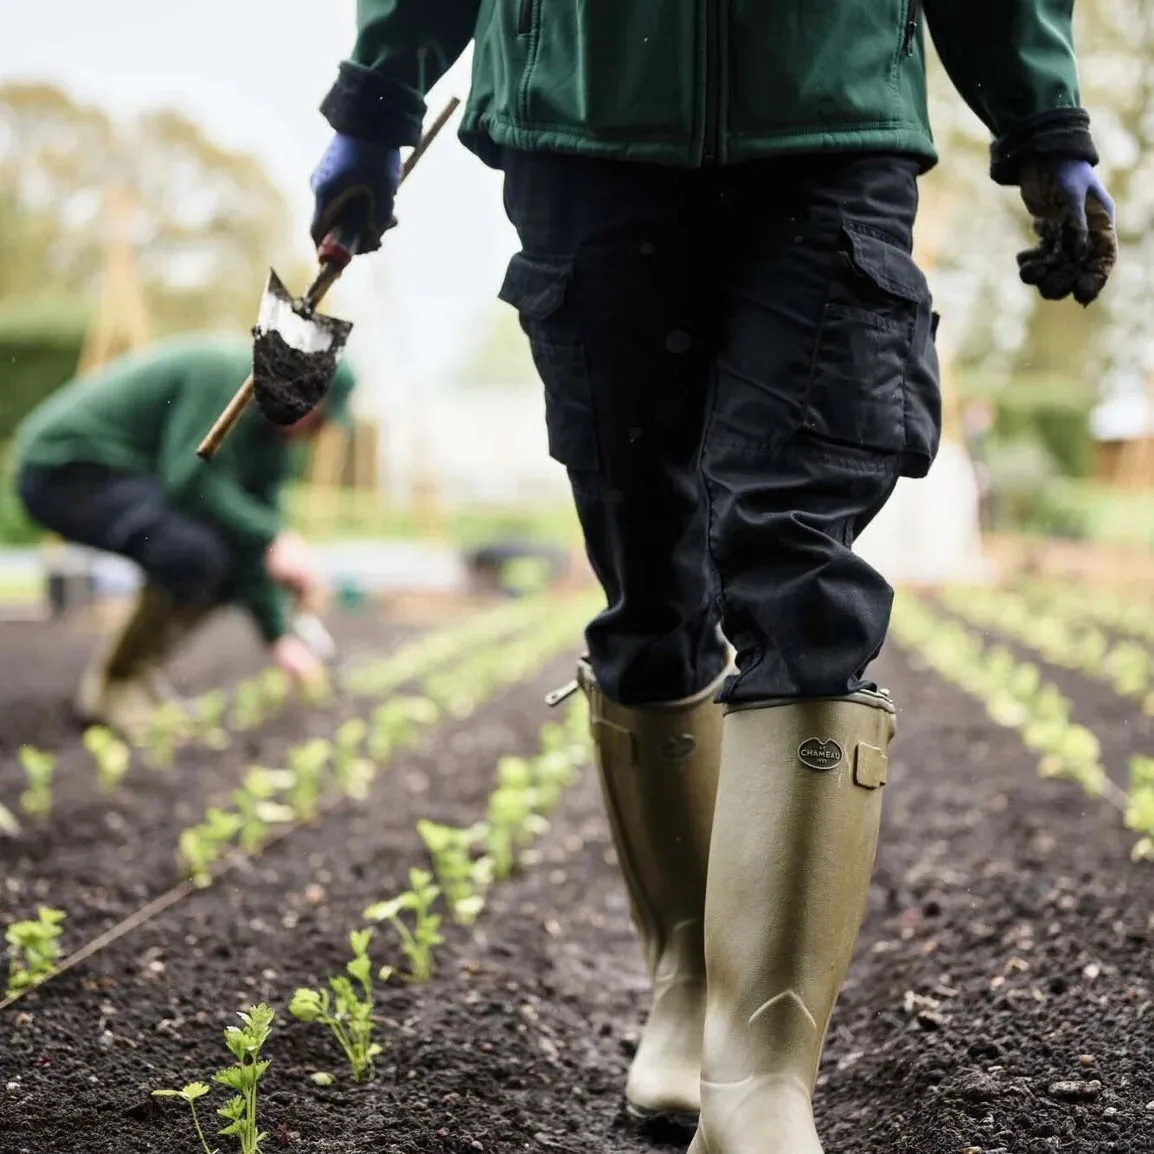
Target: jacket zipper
column 525, row 18
column 712, row 50
column 911, row 29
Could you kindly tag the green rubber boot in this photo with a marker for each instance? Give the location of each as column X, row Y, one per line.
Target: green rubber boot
column 122, row 684
column 796, row 828
column 658, row 768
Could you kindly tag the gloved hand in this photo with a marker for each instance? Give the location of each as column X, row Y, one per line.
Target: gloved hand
column 292, row 655
column 1074, row 219
column 355, row 184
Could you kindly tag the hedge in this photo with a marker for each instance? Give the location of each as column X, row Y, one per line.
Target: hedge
column 39, row 347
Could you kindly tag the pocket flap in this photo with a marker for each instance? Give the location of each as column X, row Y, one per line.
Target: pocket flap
column 536, row 286
column 888, row 266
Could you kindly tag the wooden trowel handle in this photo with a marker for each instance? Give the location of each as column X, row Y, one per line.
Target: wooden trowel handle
column 328, row 275
column 225, row 422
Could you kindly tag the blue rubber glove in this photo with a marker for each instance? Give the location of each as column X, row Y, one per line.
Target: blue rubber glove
column 1074, row 219
column 355, row 184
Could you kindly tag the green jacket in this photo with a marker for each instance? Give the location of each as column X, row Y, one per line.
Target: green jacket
column 147, row 413
column 689, row 82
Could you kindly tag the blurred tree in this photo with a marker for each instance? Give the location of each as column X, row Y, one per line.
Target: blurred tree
column 209, row 223
column 1116, row 39
column 1005, row 326
column 499, row 357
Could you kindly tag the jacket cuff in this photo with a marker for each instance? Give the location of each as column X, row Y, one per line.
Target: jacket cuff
column 1059, row 133
column 366, row 105
column 270, row 620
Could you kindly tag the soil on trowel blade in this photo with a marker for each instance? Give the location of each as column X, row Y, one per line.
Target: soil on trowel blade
column 287, row 383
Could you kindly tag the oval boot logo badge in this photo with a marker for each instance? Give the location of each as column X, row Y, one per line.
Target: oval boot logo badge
column 820, row 754
column 677, row 748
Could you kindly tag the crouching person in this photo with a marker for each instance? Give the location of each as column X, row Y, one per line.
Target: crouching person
column 109, row 461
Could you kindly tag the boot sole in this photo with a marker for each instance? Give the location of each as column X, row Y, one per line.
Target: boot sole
column 660, row 1119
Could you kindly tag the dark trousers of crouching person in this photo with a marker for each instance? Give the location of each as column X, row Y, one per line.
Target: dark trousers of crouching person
column 186, row 566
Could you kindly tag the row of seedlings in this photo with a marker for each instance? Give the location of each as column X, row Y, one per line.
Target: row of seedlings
column 466, row 863
column 270, row 802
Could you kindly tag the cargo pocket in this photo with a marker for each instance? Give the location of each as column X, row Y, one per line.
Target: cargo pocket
column 877, row 306
column 537, row 287
column 923, row 399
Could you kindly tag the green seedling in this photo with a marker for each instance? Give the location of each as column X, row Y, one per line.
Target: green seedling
column 455, row 696
column 1128, row 667
column 110, row 754
column 554, row 773
column 210, row 712
column 397, row 724
column 256, row 805
column 167, row 727
column 39, row 767
column 33, row 949
column 248, row 706
column 1140, row 805
column 8, row 822
column 568, row 738
column 463, row 879
column 1077, row 755
column 274, row 686
column 307, row 764
column 418, row 943
column 322, row 1078
column 346, row 1013
column 245, row 1043
column 201, row 845
column 512, row 825
column 353, row 772
column 576, row 727
column 319, row 691
column 189, row 1095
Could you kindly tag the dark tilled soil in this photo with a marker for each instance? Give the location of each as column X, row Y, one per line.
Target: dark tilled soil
column 1000, row 1000
column 106, row 856
column 42, row 663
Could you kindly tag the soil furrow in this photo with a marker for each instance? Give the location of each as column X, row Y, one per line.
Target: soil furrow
column 1007, row 954
column 111, row 854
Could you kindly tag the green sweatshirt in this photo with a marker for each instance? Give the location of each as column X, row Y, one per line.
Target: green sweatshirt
column 717, row 81
column 147, row 413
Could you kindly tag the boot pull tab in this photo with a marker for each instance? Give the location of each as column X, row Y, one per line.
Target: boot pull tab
column 556, row 696
column 871, row 765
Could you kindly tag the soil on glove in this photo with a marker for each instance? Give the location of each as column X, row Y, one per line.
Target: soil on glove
column 288, row 384
column 1000, row 999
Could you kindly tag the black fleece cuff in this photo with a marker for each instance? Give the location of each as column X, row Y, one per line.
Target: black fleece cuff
column 1060, row 133
column 369, row 106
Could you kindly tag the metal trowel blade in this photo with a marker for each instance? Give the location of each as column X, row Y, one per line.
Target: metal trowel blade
column 306, row 333
column 294, row 355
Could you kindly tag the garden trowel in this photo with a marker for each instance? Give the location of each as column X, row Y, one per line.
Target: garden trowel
column 295, row 348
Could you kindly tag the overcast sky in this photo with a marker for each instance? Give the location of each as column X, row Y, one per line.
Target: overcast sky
column 253, row 73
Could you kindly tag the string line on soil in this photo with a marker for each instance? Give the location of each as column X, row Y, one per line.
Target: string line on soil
column 518, row 664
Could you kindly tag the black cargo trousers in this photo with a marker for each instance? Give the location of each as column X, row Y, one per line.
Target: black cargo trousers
column 738, row 365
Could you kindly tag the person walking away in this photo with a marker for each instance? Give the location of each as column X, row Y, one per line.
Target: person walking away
column 715, row 203
column 109, row 461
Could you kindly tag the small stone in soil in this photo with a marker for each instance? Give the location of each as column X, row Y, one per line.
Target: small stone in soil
column 1075, row 1091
